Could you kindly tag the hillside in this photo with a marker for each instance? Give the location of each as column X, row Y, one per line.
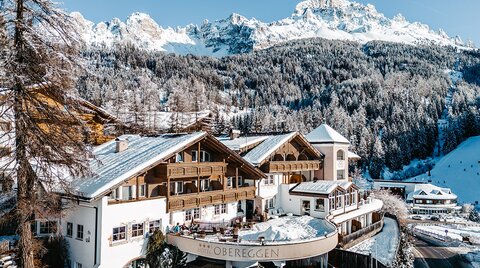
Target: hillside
column 459, row 170
column 339, row 20
column 380, row 95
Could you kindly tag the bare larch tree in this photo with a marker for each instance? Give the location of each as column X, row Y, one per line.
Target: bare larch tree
column 37, row 74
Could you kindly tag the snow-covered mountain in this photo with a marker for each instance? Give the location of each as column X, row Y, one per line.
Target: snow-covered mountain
column 331, row 19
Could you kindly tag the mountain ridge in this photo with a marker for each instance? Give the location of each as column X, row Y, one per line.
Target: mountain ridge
column 330, row 19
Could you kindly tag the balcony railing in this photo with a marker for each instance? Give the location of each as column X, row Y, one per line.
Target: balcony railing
column 286, row 166
column 347, row 239
column 185, row 170
column 188, row 201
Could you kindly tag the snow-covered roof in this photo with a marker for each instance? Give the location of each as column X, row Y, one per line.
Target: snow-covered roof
column 430, row 191
column 110, row 168
column 352, row 155
column 239, row 143
column 325, row 134
column 320, row 187
column 262, row 151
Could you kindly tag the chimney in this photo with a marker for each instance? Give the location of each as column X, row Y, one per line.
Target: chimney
column 234, row 133
column 121, row 145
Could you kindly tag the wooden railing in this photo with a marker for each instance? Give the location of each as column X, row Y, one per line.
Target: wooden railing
column 345, row 239
column 188, row 201
column 184, row 170
column 286, row 166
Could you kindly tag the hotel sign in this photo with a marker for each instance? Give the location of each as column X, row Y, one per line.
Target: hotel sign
column 226, row 251
column 246, row 252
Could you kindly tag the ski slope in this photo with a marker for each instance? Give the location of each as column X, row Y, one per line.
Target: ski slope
column 458, row 170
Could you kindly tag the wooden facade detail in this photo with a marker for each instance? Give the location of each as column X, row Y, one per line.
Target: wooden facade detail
column 189, row 201
column 185, row 170
column 290, row 166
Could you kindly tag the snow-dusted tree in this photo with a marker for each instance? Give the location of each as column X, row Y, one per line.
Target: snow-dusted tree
column 377, row 159
column 405, row 256
column 393, row 205
column 473, row 215
column 46, row 129
column 162, row 255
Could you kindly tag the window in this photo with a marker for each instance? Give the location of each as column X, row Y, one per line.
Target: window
column 196, row 213
column 119, row 233
column 332, row 202
column 78, row 265
column 204, row 184
column 176, row 187
column 429, row 202
column 154, row 226
column 48, row 227
column 340, row 155
column 69, row 229
column 137, row 229
column 340, row 174
column 188, row 215
column 205, row 156
column 320, row 204
column 179, row 157
column 223, row 208
column 270, row 180
column 240, row 181
column 418, row 201
column 142, row 190
column 220, row 209
column 229, row 182
column 270, row 203
column 127, row 192
column 194, row 156
column 339, row 200
column 79, row 231
column 115, row 194
column 354, row 197
column 347, row 198
column 192, row 214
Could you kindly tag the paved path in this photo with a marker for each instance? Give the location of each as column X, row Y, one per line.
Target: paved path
column 432, row 254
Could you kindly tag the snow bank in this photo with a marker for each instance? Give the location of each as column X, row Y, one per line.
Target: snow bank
column 382, row 246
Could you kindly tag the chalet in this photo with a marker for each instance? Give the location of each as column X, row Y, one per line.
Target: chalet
column 427, row 198
column 142, row 184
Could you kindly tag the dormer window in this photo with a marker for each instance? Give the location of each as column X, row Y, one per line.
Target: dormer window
column 204, row 156
column 422, row 193
column 179, row 157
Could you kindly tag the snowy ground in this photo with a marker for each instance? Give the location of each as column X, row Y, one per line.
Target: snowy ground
column 288, row 229
column 458, row 170
column 454, row 231
column 382, row 246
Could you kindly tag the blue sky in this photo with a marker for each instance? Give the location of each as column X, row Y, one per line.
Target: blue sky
column 459, row 17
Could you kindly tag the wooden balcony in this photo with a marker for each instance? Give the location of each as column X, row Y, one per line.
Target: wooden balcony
column 287, row 166
column 188, row 201
column 185, row 170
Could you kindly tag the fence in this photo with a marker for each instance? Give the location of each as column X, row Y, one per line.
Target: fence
column 347, row 259
column 344, row 240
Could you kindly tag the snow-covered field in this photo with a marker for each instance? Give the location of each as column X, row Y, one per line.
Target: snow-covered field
column 459, row 170
column 382, row 246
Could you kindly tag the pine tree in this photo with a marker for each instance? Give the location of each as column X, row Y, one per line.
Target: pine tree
column 47, row 130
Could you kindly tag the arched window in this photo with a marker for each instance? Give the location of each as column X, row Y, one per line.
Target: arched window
column 302, row 157
column 278, row 157
column 291, row 157
column 340, row 155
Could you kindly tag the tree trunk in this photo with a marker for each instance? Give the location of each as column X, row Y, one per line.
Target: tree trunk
column 25, row 184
